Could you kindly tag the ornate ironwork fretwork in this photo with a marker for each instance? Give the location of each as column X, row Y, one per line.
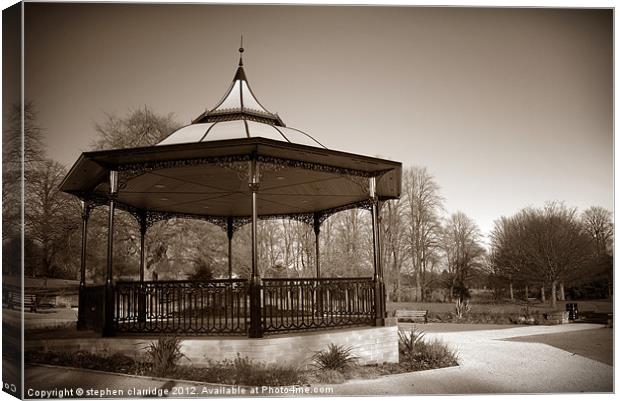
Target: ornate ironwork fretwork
column 154, row 216
column 222, row 306
column 132, row 170
column 311, row 303
column 129, row 171
column 184, row 307
column 278, row 161
column 94, row 200
column 365, row 204
column 252, row 115
column 87, row 207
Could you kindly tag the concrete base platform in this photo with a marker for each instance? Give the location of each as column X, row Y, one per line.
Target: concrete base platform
column 370, row 344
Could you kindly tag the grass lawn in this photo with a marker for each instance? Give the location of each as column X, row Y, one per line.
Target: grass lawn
column 595, row 344
column 452, row 327
column 599, row 306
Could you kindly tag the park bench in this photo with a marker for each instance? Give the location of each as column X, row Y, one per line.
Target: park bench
column 30, row 301
column 411, row 315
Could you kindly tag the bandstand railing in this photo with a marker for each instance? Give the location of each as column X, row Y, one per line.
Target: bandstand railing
column 302, row 304
column 182, row 307
column 222, row 307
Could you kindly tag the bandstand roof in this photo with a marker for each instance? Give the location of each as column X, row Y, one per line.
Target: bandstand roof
column 201, row 169
column 214, row 131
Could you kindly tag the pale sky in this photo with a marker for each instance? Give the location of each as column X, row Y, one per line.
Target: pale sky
column 505, row 107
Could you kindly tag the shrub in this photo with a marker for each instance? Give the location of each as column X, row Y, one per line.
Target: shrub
column 407, row 342
column 259, row 374
column 336, row 357
column 85, row 360
column 462, row 292
column 243, row 371
column 204, row 270
column 418, row 354
column 164, row 355
column 328, row 376
column 462, row 308
column 364, row 372
column 527, row 316
column 434, row 355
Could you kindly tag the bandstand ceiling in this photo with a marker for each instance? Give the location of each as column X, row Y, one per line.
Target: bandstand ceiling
column 210, row 178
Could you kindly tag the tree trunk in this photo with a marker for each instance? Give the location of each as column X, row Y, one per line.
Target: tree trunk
column 542, row 294
column 451, row 292
column 423, row 274
column 554, row 285
column 512, row 296
column 562, row 295
column 398, row 299
column 527, row 293
column 418, row 285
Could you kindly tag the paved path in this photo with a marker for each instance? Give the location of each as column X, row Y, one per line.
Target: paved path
column 50, row 381
column 491, row 363
column 45, row 319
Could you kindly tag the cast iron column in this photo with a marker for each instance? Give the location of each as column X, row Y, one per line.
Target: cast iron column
column 229, row 233
column 81, row 323
column 256, row 324
column 317, row 231
column 318, row 287
column 376, row 247
column 108, row 308
column 142, row 288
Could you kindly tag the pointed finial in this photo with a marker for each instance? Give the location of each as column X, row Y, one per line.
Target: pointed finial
column 241, row 52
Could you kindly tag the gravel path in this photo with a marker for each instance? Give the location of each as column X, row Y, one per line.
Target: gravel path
column 491, row 366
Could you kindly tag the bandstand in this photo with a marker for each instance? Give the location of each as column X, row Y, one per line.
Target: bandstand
column 233, row 165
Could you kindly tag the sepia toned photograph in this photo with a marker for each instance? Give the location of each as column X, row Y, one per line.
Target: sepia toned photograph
column 249, row 200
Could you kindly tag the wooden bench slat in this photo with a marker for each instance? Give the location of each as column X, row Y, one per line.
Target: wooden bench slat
column 30, row 301
column 411, row 314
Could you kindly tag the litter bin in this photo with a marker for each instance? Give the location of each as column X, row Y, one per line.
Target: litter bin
column 573, row 312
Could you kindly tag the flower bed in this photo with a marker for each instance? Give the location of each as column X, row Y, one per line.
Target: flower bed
column 334, row 365
column 525, row 317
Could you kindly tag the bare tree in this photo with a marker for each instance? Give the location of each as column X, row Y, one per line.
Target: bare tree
column 460, row 242
column 508, row 262
column 424, row 203
column 51, row 216
column 394, row 238
column 270, row 249
column 140, row 127
column 345, row 239
column 33, row 147
column 547, row 245
column 18, row 159
column 598, row 224
column 167, row 252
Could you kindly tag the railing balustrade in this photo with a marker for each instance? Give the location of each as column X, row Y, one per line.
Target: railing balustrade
column 182, row 307
column 314, row 303
column 217, row 307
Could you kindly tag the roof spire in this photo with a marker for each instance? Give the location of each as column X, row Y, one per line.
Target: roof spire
column 241, row 53
column 239, row 102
